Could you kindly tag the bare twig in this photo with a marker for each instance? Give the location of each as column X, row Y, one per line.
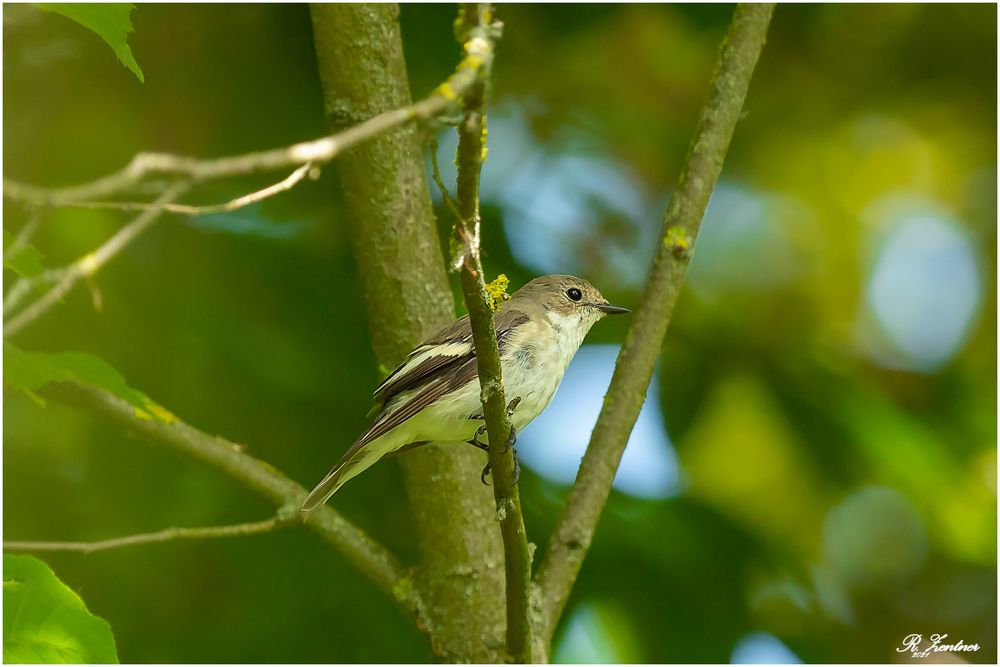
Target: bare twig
column 576, row 526
column 369, row 557
column 23, row 287
column 24, row 236
column 186, row 209
column 166, row 535
column 302, row 156
column 65, row 279
column 318, row 151
column 436, row 176
column 475, row 19
column 88, row 265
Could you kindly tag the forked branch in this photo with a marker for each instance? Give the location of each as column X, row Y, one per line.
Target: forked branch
column 192, row 170
column 318, row 151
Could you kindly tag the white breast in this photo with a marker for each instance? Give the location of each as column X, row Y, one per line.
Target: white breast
column 533, row 366
column 541, row 352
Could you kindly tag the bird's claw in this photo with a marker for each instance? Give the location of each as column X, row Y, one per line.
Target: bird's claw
column 511, row 441
column 489, row 466
column 476, row 442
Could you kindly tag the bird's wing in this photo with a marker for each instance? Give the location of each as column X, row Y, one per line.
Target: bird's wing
column 429, row 376
column 442, row 364
column 450, row 349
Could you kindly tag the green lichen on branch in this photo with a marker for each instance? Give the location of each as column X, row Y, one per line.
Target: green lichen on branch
column 496, row 291
column 678, row 242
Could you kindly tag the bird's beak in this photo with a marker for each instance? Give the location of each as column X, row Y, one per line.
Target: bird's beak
column 612, row 310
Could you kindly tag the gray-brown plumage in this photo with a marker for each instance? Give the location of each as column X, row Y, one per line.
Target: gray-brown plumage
column 432, row 395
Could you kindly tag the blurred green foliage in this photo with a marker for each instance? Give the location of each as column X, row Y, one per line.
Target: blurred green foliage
column 837, row 444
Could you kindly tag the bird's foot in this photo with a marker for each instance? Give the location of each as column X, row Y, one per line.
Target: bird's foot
column 476, row 442
column 511, row 441
column 508, row 445
column 512, row 438
column 489, row 466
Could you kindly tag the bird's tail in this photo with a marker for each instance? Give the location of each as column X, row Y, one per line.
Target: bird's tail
column 355, row 461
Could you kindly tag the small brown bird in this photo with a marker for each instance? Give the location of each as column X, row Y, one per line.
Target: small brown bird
column 434, row 397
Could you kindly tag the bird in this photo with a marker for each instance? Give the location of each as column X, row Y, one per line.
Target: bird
column 434, row 395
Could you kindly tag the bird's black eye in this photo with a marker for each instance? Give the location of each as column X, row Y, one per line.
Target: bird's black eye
column 574, row 294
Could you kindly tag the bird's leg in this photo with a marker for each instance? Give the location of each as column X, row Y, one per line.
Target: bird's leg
column 517, row 461
column 511, row 440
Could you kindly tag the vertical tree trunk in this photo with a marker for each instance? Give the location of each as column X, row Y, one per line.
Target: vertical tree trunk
column 402, row 270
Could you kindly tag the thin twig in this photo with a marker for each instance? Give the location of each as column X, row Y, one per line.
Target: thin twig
column 24, row 286
column 301, row 155
column 67, row 278
column 318, row 151
column 634, row 368
column 165, row 535
column 186, row 209
column 24, row 236
column 471, row 139
column 369, row 557
column 436, row 176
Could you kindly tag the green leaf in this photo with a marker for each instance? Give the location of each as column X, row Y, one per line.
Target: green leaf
column 30, row 371
column 44, row 621
column 111, row 22
column 26, row 262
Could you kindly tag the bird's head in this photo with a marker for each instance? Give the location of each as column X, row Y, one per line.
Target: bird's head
column 565, row 298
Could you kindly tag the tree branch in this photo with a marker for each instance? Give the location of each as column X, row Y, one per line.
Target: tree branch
column 402, row 272
column 476, row 31
column 24, row 236
column 436, row 176
column 284, row 185
column 65, row 279
column 301, row 155
column 165, row 535
column 318, row 151
column 634, row 368
column 369, row 557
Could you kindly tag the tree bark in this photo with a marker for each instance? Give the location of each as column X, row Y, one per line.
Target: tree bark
column 406, row 289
